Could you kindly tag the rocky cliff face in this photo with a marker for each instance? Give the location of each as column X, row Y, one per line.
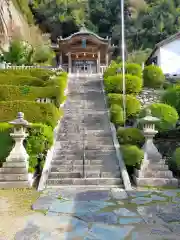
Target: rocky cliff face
column 13, row 24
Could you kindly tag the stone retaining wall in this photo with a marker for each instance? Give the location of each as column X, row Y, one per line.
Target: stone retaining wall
column 149, row 96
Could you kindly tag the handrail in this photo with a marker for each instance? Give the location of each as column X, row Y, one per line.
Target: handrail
column 124, row 173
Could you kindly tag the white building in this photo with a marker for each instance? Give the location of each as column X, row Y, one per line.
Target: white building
column 166, row 55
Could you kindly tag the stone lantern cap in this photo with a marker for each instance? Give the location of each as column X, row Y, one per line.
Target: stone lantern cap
column 20, row 121
column 149, row 118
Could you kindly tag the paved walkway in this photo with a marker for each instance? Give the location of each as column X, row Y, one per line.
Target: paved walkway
column 87, row 214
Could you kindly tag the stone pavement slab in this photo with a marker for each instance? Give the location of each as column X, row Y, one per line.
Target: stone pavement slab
column 103, row 214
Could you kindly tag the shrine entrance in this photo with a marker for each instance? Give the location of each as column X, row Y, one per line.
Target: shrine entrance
column 84, row 66
column 84, row 52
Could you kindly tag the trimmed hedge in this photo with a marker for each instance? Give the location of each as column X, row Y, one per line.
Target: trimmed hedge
column 34, row 112
column 9, row 79
column 132, row 136
column 130, row 68
column 43, row 74
column 176, row 159
column 133, row 105
column 172, row 97
column 10, row 93
column 132, row 155
column 116, row 114
column 168, row 115
column 153, row 76
column 134, row 69
column 114, row 84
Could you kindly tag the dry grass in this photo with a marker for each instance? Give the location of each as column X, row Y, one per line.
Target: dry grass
column 18, row 201
column 15, row 205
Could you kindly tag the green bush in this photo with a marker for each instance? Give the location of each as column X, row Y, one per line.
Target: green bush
column 153, row 76
column 172, row 97
column 133, row 69
column 40, row 139
column 168, row 115
column 34, row 112
column 114, row 84
column 133, row 105
column 132, row 155
column 111, row 70
column 131, row 136
column 176, row 158
column 43, row 74
column 10, row 93
column 20, row 80
column 116, row 114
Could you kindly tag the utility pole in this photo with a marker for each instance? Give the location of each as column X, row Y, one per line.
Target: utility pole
column 123, row 60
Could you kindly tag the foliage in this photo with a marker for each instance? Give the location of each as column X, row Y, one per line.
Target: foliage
column 40, row 139
column 132, row 136
column 42, row 54
column 153, row 76
column 22, row 5
column 138, row 56
column 132, row 155
column 132, row 103
column 168, row 115
column 34, row 112
column 176, row 158
column 116, row 114
column 114, row 84
column 172, row 97
column 134, row 69
column 19, row 53
column 63, row 18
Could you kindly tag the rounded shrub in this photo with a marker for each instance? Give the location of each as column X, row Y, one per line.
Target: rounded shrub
column 111, row 70
column 116, row 114
column 172, row 97
column 133, row 105
column 168, row 115
column 176, row 158
column 132, row 155
column 132, row 136
column 134, row 69
column 114, row 84
column 153, row 76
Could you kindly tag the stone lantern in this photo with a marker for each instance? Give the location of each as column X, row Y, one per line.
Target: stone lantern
column 14, row 172
column 150, row 150
column 154, row 171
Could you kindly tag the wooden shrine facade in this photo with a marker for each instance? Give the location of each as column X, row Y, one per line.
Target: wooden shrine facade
column 84, row 51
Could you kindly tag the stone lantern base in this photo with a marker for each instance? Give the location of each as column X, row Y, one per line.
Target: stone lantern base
column 155, row 174
column 14, row 174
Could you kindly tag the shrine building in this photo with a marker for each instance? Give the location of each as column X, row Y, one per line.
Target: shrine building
column 84, row 51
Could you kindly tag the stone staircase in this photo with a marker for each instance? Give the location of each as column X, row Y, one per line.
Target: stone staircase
column 84, row 152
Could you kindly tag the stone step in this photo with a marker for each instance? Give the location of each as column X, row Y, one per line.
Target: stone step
column 159, row 182
column 14, row 184
column 158, row 167
column 13, row 177
column 14, row 164
column 101, row 154
column 12, row 170
column 82, row 181
column 159, row 174
column 80, row 168
column 81, row 161
column 54, row 175
column 99, row 174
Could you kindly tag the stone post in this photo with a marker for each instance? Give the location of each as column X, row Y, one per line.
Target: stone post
column 69, row 62
column 98, row 62
column 154, row 171
column 107, row 60
column 15, row 170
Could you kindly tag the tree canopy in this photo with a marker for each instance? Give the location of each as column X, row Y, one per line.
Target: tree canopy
column 146, row 21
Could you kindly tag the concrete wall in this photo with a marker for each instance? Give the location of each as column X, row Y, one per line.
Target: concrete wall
column 170, row 57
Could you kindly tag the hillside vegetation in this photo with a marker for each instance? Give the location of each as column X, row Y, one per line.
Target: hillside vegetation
column 147, row 21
